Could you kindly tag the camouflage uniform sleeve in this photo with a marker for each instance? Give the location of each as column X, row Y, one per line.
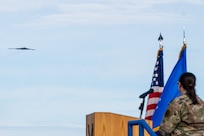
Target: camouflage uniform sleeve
column 171, row 119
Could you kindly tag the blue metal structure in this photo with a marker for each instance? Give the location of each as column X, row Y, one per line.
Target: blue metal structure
column 142, row 125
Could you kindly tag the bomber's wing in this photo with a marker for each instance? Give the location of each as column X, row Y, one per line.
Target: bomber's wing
column 22, row 48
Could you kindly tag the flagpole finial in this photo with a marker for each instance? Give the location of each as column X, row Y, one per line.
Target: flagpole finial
column 160, row 39
column 184, row 36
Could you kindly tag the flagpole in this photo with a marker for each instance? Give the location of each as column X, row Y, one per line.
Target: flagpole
column 170, row 90
column 151, row 90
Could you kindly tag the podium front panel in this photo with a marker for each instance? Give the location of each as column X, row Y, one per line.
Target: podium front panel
column 110, row 124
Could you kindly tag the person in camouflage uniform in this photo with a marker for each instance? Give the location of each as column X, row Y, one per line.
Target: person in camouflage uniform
column 185, row 114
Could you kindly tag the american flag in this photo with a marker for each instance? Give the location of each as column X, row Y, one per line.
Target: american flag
column 157, row 85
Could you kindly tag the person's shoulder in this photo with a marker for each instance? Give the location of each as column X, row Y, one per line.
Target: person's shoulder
column 180, row 99
column 199, row 98
column 200, row 101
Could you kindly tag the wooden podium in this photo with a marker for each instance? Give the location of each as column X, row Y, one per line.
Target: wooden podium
column 110, row 124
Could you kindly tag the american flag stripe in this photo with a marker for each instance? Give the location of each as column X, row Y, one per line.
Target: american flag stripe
column 149, row 114
column 151, row 106
column 153, row 100
column 155, row 94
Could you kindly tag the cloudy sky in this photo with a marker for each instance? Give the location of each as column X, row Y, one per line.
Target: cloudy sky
column 91, row 56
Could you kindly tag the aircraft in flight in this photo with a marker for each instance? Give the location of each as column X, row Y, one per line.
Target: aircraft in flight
column 22, row 48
